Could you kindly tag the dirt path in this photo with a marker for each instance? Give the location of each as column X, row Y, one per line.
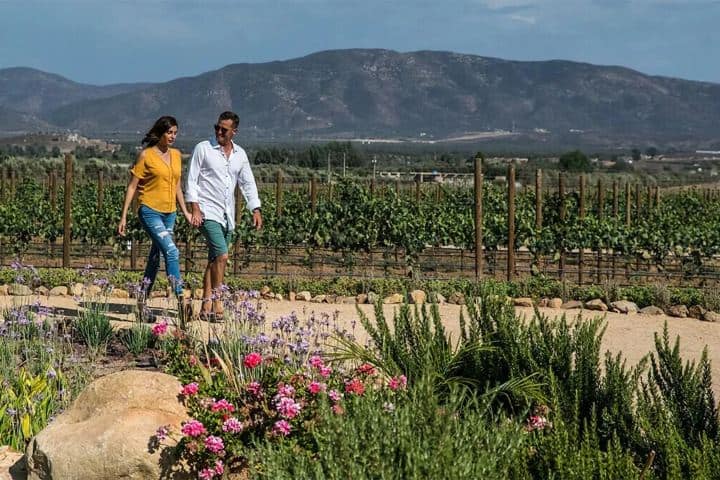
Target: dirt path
column 632, row 335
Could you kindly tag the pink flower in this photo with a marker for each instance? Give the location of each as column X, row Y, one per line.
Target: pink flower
column 537, row 422
column 397, row 383
column 206, row 474
column 355, row 386
column 288, row 408
column 160, row 329
column 252, row 360
column 162, row 432
column 338, row 409
column 232, row 425
column 316, row 387
column 219, row 467
column 193, row 428
column 222, row 406
column 334, row 395
column 214, row 444
column 285, row 390
column 282, row 428
column 316, row 361
column 325, row 371
column 255, row 388
column 366, row 369
column 189, row 390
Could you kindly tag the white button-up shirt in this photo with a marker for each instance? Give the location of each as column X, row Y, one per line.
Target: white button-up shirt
column 212, row 178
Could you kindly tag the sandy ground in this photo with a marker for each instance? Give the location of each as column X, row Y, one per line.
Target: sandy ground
column 631, row 335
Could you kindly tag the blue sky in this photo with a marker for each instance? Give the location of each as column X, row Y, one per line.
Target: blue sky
column 107, row 41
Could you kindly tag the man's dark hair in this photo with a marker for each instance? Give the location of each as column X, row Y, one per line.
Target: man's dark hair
column 230, row 116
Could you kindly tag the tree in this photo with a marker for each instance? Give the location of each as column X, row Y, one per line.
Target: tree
column 575, row 161
column 651, row 152
column 635, row 154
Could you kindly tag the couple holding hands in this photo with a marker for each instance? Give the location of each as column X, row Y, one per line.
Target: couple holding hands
column 216, row 166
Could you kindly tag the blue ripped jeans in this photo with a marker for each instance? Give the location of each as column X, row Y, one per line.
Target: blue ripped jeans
column 160, row 228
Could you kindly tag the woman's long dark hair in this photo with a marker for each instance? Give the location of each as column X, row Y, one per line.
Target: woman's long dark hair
column 162, row 125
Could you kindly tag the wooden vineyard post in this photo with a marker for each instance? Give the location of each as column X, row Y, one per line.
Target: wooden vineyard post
column 657, row 196
column 438, row 193
column 100, row 190
column 511, row 224
column 53, row 190
column 615, row 218
column 418, row 191
column 68, row 209
column 581, row 216
column 478, row 218
column 561, row 195
column 397, row 187
column 313, row 193
column 628, row 201
column 372, row 187
column 649, row 204
column 601, row 214
column 279, row 207
column 638, row 217
column 538, row 199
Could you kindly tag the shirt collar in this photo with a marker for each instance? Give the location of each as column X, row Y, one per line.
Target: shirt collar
column 214, row 144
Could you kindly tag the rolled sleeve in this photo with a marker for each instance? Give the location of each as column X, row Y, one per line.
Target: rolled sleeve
column 246, row 182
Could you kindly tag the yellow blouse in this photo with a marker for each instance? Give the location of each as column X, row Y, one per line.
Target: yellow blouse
column 158, row 180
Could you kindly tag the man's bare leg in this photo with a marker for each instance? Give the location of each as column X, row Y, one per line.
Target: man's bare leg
column 217, row 276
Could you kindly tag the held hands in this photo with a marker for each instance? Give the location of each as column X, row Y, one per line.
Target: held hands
column 196, row 218
column 257, row 219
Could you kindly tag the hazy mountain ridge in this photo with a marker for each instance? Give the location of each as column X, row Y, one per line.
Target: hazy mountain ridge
column 385, row 93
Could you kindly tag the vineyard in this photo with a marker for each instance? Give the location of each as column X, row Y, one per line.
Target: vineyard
column 424, row 230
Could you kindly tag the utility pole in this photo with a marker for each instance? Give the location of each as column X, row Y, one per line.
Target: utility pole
column 343, row 164
column 374, row 162
column 328, row 155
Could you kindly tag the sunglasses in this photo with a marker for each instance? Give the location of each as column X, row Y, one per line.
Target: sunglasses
column 222, row 130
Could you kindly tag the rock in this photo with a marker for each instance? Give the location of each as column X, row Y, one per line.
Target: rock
column 543, row 302
column 555, row 303
column 711, row 316
column 457, row 298
column 119, row 293
column 265, row 290
column 696, row 311
column 393, row 299
column 42, row 291
column 76, row 290
column 372, row 298
column 108, row 431
column 198, row 293
column 20, row 290
column 12, row 464
column 440, row 299
column 60, row 291
column 347, row 300
column 292, row 296
column 319, row 299
column 679, row 311
column 572, row 304
column 331, row 298
column 523, row 302
column 158, row 294
column 4, row 290
column 417, row 296
column 303, row 296
column 651, row 310
column 278, row 296
column 597, row 305
column 93, row 290
column 624, row 306
column 361, row 298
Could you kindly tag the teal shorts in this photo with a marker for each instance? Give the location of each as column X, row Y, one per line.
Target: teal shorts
column 217, row 237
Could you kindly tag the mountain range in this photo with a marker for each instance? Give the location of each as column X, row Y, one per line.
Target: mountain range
column 372, row 93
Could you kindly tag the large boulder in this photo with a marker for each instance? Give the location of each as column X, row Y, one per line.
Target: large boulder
column 108, row 431
column 19, row 289
column 651, row 310
column 624, row 306
column 597, row 305
column 679, row 311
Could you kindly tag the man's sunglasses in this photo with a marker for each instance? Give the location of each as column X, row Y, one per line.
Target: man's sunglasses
column 222, row 130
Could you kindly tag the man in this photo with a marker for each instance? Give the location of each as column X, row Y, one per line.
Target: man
column 217, row 165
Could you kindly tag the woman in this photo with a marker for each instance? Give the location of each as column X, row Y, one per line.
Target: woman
column 156, row 176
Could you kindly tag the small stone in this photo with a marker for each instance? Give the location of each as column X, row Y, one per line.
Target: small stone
column 278, row 296
column 523, row 302
column 543, row 302
column 571, row 305
column 651, row 310
column 393, row 299
column 678, row 311
column 20, row 290
column 303, row 296
column 711, row 316
column 361, row 298
column 119, row 293
column 417, row 297
column 77, row 289
column 319, row 299
column 457, row 298
column 555, row 303
column 60, row 291
column 42, row 291
column 265, row 290
column 696, row 311
column 597, row 305
column 4, row 290
column 291, row 296
column 624, row 306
